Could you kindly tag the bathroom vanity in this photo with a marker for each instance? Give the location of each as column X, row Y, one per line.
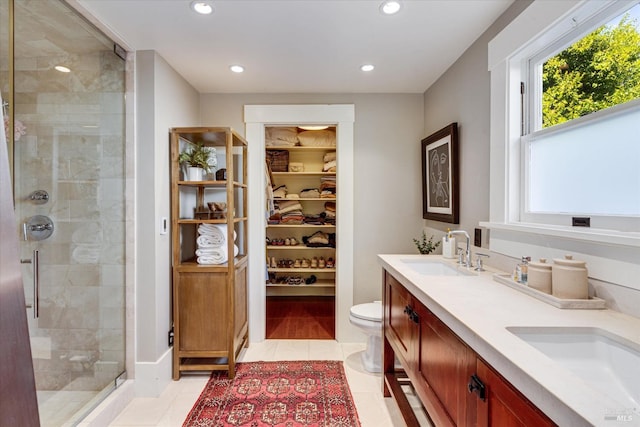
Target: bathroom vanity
column 461, row 338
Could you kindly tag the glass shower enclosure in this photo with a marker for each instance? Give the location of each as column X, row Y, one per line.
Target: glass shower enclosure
column 65, row 121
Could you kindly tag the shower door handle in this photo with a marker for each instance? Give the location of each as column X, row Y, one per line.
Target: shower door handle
column 35, row 264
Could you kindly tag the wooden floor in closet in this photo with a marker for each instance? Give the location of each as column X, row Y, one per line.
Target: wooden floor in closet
column 309, row 317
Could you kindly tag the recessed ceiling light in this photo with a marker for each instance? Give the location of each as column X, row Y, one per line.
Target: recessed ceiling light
column 389, row 7
column 367, row 67
column 62, row 69
column 202, row 7
column 237, row 68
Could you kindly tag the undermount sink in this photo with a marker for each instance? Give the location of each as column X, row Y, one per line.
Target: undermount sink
column 434, row 268
column 607, row 362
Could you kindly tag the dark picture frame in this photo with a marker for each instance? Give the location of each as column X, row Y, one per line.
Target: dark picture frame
column 440, row 187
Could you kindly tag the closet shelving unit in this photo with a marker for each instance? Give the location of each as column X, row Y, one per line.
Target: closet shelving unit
column 312, row 158
column 210, row 321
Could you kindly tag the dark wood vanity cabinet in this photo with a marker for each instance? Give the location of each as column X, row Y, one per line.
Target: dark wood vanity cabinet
column 503, row 405
column 456, row 387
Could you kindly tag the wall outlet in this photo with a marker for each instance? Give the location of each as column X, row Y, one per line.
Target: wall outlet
column 170, row 338
column 477, row 237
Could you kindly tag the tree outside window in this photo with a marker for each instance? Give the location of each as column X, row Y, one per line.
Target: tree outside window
column 597, row 72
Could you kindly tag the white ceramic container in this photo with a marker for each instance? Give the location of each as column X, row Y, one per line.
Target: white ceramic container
column 539, row 276
column 569, row 278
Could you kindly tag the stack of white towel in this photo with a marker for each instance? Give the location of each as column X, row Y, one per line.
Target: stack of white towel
column 212, row 244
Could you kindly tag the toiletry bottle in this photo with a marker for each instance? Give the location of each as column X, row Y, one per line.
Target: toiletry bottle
column 522, row 270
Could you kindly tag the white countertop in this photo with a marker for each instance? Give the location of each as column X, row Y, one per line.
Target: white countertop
column 479, row 309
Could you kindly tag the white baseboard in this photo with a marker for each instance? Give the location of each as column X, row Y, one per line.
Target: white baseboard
column 153, row 377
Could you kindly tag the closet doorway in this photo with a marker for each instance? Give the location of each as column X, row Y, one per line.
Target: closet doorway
column 301, row 239
column 266, row 305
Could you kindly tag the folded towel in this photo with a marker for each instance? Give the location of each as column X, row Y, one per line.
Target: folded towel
column 216, row 255
column 212, row 235
column 310, row 193
column 330, row 156
column 280, row 192
column 288, row 206
column 329, row 165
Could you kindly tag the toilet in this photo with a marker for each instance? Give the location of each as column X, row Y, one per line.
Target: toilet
column 368, row 318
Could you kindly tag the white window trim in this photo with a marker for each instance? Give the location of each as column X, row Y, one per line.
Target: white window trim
column 506, row 54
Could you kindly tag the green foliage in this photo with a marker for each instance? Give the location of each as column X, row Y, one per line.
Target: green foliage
column 597, row 72
column 425, row 246
column 196, row 155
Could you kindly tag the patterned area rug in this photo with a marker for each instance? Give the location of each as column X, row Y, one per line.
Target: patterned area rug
column 288, row 394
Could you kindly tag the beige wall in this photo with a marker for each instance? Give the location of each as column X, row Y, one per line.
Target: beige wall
column 163, row 100
column 461, row 95
column 387, row 131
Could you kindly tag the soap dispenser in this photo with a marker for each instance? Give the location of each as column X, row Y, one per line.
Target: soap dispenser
column 449, row 245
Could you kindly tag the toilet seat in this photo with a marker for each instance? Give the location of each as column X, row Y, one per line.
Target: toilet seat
column 371, row 311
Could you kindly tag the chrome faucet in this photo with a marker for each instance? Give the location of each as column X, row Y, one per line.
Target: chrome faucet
column 467, row 254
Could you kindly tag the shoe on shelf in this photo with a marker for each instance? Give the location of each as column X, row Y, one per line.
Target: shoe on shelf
column 321, row 263
column 330, row 263
column 304, row 263
column 311, row 280
column 296, row 264
column 314, row 262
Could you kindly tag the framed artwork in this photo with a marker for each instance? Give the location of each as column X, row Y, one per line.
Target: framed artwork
column 440, row 188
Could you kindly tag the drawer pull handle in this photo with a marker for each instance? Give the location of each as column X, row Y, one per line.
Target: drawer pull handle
column 475, row 385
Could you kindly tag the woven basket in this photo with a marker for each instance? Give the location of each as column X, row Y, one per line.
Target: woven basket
column 278, row 160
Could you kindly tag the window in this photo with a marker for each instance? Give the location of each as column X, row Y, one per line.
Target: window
column 580, row 150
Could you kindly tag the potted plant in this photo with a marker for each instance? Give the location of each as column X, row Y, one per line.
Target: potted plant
column 426, row 246
column 197, row 159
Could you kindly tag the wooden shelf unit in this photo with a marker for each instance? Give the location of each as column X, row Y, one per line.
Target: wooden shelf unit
column 210, row 321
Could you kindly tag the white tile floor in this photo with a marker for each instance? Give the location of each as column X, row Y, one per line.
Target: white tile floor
column 172, row 407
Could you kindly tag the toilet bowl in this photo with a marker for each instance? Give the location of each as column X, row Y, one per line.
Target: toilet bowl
column 368, row 318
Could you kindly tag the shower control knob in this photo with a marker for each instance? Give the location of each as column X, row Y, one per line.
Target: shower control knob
column 39, row 197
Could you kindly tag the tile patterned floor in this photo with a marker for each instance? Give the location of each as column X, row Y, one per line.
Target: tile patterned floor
column 172, row 407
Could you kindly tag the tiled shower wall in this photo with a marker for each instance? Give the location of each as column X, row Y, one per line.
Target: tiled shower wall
column 74, row 148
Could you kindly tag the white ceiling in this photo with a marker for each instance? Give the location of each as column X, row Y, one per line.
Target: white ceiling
column 302, row 46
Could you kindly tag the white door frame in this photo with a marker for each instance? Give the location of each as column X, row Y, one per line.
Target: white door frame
column 256, row 117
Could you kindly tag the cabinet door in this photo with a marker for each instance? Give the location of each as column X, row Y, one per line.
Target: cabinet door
column 204, row 311
column 503, row 404
column 445, row 364
column 400, row 329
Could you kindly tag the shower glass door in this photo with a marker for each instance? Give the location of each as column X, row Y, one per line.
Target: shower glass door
column 69, row 189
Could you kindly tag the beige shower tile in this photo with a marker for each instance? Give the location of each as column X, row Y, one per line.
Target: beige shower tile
column 86, row 253
column 86, row 168
column 112, row 167
column 112, row 296
column 112, row 189
column 112, row 275
column 112, row 340
column 112, row 254
column 112, row 318
column 87, row 232
column 84, row 210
